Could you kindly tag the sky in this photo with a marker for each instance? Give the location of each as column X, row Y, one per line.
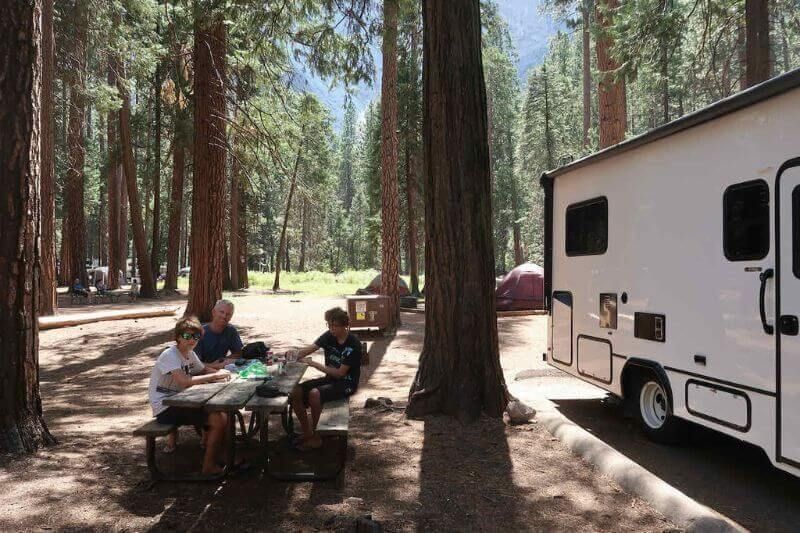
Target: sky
column 530, row 29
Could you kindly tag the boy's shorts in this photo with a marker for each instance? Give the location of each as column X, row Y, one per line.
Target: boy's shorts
column 329, row 389
column 183, row 416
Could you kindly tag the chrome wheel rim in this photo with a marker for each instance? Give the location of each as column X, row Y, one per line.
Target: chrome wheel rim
column 653, row 405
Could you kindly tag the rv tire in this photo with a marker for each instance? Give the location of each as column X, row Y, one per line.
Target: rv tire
column 655, row 410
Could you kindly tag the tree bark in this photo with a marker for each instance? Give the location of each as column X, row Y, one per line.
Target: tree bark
column 301, row 264
column 22, row 428
column 586, row 10
column 611, row 88
column 208, row 198
column 459, row 369
column 411, row 211
column 113, row 188
column 390, row 233
column 147, row 289
column 757, row 44
column 48, row 303
column 234, row 226
column 176, row 205
column 75, row 228
column 155, row 249
column 282, row 246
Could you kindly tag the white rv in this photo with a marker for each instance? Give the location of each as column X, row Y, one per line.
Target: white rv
column 672, row 270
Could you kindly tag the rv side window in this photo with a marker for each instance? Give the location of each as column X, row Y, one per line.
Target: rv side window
column 746, row 221
column 587, row 227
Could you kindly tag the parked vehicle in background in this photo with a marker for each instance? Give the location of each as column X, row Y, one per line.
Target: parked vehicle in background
column 672, row 270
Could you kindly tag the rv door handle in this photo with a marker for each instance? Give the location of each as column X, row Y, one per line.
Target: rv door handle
column 764, row 276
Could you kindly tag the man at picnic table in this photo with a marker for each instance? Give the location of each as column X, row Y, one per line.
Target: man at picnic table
column 221, row 343
column 342, row 371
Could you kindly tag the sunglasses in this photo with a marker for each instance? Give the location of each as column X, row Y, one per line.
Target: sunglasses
column 187, row 335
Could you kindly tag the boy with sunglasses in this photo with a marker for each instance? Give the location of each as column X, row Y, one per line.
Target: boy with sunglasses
column 176, row 369
column 342, row 371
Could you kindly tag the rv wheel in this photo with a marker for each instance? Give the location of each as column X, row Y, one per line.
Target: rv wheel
column 655, row 412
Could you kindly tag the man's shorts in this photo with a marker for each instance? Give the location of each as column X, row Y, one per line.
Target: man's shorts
column 329, row 389
column 183, row 416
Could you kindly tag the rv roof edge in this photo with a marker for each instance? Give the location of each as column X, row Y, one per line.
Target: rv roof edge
column 757, row 93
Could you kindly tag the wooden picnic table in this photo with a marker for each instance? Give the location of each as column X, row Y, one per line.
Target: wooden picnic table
column 231, row 396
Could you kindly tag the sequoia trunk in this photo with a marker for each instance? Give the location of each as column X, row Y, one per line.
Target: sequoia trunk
column 208, row 198
column 22, row 428
column 611, row 88
column 47, row 293
column 390, row 233
column 459, row 369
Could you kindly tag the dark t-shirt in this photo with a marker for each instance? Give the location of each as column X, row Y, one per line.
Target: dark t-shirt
column 214, row 346
column 337, row 354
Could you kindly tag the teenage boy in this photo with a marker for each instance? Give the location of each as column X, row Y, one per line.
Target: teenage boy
column 342, row 371
column 176, row 369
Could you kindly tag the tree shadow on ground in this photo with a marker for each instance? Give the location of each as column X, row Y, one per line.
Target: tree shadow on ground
column 730, row 476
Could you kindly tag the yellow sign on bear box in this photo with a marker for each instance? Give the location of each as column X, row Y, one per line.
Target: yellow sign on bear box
column 368, row 311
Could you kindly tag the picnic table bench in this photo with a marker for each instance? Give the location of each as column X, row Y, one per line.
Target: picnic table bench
column 239, row 394
column 228, row 397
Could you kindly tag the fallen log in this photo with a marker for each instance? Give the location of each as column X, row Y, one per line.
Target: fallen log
column 63, row 321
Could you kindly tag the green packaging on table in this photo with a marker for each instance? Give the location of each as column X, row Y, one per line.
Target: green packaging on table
column 256, row 370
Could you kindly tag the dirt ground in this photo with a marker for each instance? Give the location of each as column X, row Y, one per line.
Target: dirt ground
column 409, row 475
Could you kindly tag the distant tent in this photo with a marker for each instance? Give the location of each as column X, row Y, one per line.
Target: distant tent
column 521, row 289
column 374, row 287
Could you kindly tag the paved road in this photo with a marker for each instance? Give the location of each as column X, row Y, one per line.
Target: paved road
column 731, row 477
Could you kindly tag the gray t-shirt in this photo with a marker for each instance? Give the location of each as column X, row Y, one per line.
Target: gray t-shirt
column 162, row 384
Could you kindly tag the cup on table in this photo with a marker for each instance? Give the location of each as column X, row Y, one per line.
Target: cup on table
column 291, row 356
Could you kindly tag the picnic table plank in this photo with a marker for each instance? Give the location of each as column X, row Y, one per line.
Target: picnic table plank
column 234, row 396
column 335, row 418
column 285, row 383
column 195, row 396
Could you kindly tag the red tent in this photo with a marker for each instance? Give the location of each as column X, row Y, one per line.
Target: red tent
column 522, row 288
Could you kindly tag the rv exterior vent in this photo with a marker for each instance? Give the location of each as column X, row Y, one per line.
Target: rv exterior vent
column 650, row 326
column 608, row 310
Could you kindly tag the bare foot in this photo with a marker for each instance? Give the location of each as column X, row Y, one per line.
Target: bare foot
column 313, row 443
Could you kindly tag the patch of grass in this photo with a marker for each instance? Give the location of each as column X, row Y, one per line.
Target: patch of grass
column 313, row 282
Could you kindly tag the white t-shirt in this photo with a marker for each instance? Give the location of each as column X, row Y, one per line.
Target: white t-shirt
column 162, row 384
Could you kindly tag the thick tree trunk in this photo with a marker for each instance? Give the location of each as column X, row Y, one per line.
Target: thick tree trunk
column 22, row 428
column 47, row 293
column 75, row 229
column 147, row 289
column 208, row 198
column 390, row 211
column 757, row 23
column 155, row 248
column 282, row 246
column 459, row 369
column 175, row 215
column 611, row 89
column 586, row 11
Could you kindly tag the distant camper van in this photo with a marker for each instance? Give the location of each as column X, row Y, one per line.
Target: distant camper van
column 672, row 270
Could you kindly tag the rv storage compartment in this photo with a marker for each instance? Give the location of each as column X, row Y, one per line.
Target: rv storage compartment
column 594, row 358
column 562, row 328
column 722, row 405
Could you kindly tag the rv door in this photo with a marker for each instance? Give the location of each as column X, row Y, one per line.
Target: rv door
column 787, row 257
